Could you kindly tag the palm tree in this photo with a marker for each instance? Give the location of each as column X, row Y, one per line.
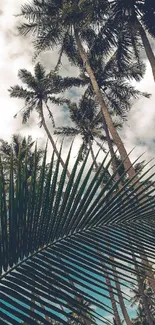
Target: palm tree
column 19, row 147
column 39, row 91
column 137, row 18
column 116, row 90
column 88, row 123
column 51, row 241
column 82, row 314
column 141, row 317
column 52, row 22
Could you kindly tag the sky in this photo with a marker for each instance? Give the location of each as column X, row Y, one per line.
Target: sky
column 16, row 52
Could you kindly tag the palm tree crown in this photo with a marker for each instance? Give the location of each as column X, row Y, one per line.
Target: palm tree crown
column 137, row 18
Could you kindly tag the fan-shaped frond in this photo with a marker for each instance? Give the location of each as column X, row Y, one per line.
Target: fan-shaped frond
column 52, row 233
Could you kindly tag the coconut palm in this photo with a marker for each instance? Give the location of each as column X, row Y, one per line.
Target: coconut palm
column 19, row 147
column 88, row 123
column 140, row 318
column 51, row 241
column 53, row 22
column 137, row 18
column 116, row 90
column 41, row 89
column 82, row 314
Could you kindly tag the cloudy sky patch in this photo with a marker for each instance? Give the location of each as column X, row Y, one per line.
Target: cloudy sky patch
column 16, row 52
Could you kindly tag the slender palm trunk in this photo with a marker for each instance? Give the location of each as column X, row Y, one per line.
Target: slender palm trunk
column 140, row 288
column 111, row 149
column 93, row 156
column 148, row 49
column 111, row 294
column 51, row 139
column 120, row 298
column 112, row 298
column 149, row 273
column 114, row 166
column 117, row 140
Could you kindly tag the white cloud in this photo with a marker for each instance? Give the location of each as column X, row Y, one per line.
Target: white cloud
column 138, row 132
column 16, row 52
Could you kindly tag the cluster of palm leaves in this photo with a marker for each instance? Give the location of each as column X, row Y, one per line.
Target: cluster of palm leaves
column 57, row 250
column 72, row 239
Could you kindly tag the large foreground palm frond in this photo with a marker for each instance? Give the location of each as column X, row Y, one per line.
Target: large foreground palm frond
column 55, row 238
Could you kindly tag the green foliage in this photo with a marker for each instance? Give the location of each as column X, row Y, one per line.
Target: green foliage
column 41, row 88
column 48, row 229
column 22, row 148
column 49, row 257
column 113, row 81
column 130, row 11
column 88, row 123
column 140, row 292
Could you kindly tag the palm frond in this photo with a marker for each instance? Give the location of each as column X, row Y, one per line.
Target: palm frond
column 48, row 248
column 39, row 72
column 20, row 92
column 67, row 131
column 27, row 78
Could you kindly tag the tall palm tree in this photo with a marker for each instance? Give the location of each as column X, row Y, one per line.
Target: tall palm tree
column 52, row 21
column 41, row 89
column 137, row 18
column 116, row 90
column 38, row 92
column 51, row 241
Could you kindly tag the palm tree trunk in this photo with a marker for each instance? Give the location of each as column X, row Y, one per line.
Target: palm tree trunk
column 111, row 294
column 93, row 156
column 140, row 287
column 117, row 140
column 149, row 273
column 112, row 298
column 120, row 298
column 114, row 166
column 112, row 153
column 51, row 139
column 148, row 49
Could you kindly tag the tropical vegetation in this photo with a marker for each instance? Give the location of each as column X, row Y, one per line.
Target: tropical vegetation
column 77, row 234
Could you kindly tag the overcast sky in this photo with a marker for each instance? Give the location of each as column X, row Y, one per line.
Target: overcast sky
column 16, row 52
